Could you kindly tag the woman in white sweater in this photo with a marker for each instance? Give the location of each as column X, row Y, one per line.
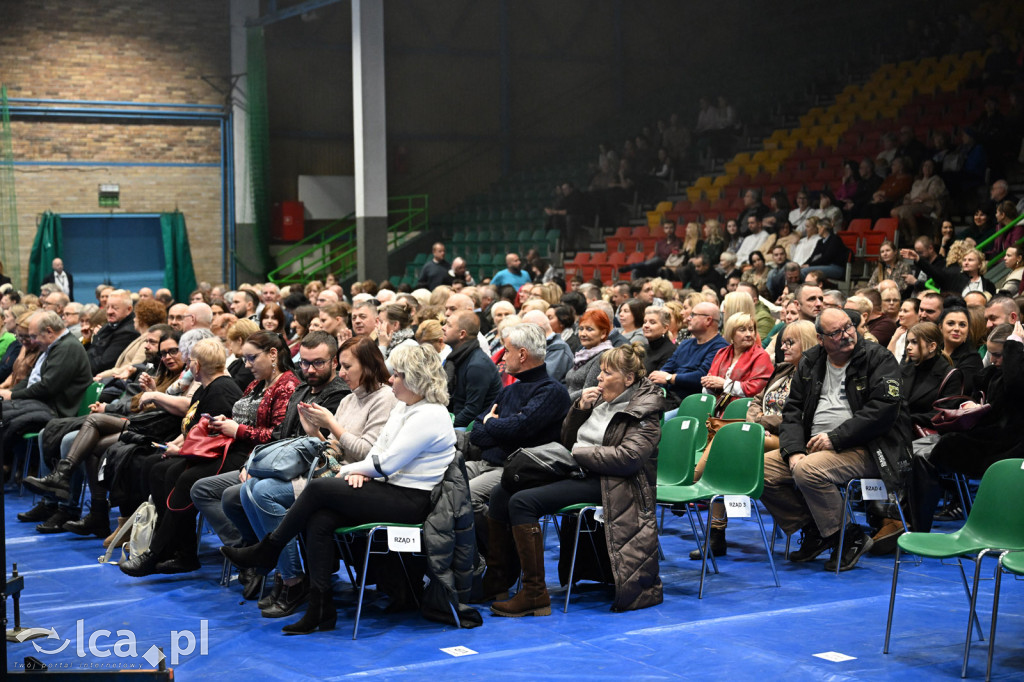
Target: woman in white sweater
column 392, row 483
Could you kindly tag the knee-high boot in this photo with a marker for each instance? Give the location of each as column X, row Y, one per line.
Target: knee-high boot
column 502, row 561
column 533, row 599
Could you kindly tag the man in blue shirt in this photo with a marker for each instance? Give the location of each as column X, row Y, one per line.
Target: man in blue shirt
column 682, row 373
column 512, row 274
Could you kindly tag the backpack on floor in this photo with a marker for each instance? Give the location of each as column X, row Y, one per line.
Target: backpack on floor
column 141, row 525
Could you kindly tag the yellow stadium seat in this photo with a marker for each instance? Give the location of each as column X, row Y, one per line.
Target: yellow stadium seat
column 703, row 181
column 694, row 194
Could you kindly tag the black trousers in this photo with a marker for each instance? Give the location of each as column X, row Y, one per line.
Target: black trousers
column 528, row 506
column 970, row 454
column 329, row 503
column 170, row 483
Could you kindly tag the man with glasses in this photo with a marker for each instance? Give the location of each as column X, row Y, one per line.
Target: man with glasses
column 682, row 373
column 217, row 497
column 72, row 317
column 845, row 418
column 176, row 316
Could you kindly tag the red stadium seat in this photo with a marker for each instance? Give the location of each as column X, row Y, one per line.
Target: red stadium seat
column 887, row 226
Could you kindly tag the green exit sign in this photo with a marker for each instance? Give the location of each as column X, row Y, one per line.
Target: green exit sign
column 110, row 196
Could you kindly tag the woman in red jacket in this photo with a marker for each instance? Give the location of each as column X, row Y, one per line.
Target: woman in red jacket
column 742, row 368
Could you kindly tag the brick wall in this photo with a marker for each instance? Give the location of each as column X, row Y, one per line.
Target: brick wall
column 143, row 51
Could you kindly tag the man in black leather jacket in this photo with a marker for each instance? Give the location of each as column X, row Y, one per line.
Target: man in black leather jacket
column 845, row 418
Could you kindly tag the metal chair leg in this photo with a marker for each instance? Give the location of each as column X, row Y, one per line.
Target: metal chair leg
column 967, row 591
column 700, row 547
column 707, row 549
column 995, row 613
column 892, row 599
column 764, row 539
column 572, row 566
column 362, row 582
column 973, row 615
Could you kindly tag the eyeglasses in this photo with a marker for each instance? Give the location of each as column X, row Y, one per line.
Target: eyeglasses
column 315, row 364
column 167, row 352
column 704, row 314
column 249, row 359
column 839, row 332
column 788, row 343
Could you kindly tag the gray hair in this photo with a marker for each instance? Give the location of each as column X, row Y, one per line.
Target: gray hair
column 190, row 339
column 48, row 320
column 839, row 296
column 527, row 335
column 420, row 367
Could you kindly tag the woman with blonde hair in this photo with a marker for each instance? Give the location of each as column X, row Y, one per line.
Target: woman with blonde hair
column 431, row 333
column 714, row 242
column 612, row 431
column 678, row 319
column 971, row 276
column 765, row 409
column 391, row 484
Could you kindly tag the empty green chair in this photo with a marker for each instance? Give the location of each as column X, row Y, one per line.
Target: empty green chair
column 1011, row 562
column 995, row 524
column 735, row 466
column 737, row 409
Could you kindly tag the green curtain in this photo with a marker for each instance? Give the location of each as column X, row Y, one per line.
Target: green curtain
column 179, row 276
column 47, row 246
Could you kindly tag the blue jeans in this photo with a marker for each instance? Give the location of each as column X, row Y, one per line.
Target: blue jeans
column 836, row 273
column 266, row 500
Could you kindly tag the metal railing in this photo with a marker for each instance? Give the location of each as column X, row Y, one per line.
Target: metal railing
column 334, row 248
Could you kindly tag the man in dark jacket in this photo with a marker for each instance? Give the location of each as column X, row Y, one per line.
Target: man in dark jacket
column 110, row 341
column 56, row 384
column 526, row 413
column 217, row 497
column 435, row 271
column 845, row 418
column 473, row 380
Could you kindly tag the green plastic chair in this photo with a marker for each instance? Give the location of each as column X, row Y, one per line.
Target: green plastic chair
column 995, row 524
column 1011, row 562
column 699, row 406
column 737, row 409
column 735, row 466
column 92, row 392
column 677, row 453
column 344, row 538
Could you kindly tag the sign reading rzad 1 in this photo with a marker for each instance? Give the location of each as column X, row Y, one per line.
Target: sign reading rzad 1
column 101, row 643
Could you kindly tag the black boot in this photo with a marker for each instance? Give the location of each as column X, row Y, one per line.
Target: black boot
column 57, row 482
column 502, row 561
column 96, row 523
column 43, row 510
column 320, row 614
column 289, row 600
column 275, row 591
column 262, row 556
column 140, row 565
column 55, row 524
column 718, row 547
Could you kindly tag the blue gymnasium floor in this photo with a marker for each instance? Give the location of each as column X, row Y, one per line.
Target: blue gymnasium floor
column 744, row 628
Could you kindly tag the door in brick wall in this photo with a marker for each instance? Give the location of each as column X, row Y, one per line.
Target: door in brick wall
column 124, row 250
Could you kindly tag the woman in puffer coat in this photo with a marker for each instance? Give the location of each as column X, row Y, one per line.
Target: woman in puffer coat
column 613, row 432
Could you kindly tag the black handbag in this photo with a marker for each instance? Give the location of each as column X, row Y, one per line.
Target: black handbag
column 155, row 426
column 537, row 466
